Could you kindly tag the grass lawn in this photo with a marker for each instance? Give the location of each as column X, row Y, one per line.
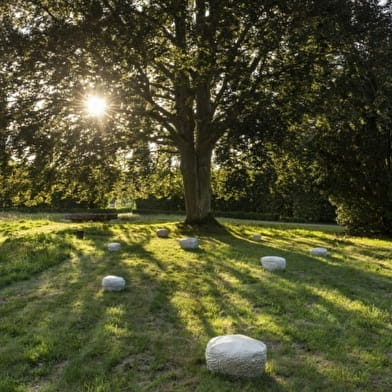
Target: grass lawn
column 326, row 321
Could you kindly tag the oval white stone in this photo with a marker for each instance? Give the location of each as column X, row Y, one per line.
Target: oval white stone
column 189, row 243
column 256, row 237
column 273, row 263
column 319, row 252
column 113, row 283
column 114, row 246
column 163, row 233
column 236, row 355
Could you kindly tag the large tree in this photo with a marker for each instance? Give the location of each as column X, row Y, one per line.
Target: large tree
column 177, row 73
column 190, row 69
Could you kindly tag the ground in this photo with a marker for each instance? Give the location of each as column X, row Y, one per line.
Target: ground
column 326, row 321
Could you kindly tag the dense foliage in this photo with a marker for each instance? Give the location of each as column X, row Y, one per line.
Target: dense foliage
column 348, row 131
column 291, row 100
column 332, row 99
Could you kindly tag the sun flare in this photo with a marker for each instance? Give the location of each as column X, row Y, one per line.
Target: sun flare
column 96, row 106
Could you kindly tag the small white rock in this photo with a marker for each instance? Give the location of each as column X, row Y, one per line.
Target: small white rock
column 113, row 283
column 163, row 233
column 256, row 237
column 114, row 246
column 236, row 355
column 319, row 252
column 189, row 243
column 273, row 263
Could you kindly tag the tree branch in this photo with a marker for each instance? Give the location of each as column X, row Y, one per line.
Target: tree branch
column 230, row 60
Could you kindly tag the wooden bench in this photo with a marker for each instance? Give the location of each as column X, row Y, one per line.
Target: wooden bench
column 91, row 216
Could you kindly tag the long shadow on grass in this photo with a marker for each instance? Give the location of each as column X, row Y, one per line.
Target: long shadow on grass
column 63, row 333
column 66, row 334
column 323, row 271
column 22, row 257
column 323, row 311
column 311, row 333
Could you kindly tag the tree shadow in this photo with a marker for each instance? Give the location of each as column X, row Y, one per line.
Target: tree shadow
column 152, row 335
column 322, row 270
column 307, row 280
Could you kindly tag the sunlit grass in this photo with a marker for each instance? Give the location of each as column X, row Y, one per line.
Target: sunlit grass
column 326, row 321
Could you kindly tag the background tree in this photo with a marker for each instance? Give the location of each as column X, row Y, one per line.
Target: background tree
column 346, row 124
column 331, row 88
column 362, row 188
column 270, row 173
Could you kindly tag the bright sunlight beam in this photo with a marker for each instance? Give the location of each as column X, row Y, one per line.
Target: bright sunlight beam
column 96, row 106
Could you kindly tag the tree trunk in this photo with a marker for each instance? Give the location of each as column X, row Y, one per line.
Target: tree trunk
column 196, row 175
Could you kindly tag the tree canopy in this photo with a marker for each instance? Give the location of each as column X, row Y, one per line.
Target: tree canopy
column 182, row 77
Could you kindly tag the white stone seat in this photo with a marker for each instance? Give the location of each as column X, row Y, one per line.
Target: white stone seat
column 189, row 243
column 236, row 355
column 163, row 233
column 273, row 263
column 114, row 246
column 319, row 252
column 113, row 283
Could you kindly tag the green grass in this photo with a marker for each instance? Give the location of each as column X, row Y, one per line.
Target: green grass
column 326, row 321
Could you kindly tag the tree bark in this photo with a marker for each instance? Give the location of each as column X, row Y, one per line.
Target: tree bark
column 196, row 175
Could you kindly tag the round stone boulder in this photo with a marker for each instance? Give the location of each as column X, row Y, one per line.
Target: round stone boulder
column 189, row 243
column 113, row 283
column 273, row 263
column 114, row 246
column 163, row 233
column 256, row 237
column 319, row 252
column 236, row 355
